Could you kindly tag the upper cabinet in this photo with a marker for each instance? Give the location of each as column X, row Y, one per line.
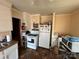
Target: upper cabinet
column 45, row 19
column 35, row 21
column 35, row 18
column 5, row 16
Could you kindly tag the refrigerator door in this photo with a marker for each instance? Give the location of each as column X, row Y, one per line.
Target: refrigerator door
column 44, row 40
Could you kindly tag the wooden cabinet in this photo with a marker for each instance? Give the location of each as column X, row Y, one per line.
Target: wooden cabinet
column 5, row 18
column 45, row 19
column 35, row 19
column 10, row 53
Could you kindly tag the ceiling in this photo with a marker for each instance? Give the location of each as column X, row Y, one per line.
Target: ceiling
column 46, row 6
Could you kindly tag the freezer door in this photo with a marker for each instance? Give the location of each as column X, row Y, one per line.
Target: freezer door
column 45, row 28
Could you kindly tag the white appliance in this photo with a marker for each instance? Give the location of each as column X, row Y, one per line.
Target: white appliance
column 8, row 38
column 44, row 36
column 32, row 41
column 75, row 47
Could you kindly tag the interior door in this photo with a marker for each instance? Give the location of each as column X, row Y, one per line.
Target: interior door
column 16, row 30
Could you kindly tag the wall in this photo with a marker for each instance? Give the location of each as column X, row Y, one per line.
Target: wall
column 6, row 3
column 75, row 23
column 26, row 20
column 62, row 23
column 67, row 23
column 5, row 11
column 16, row 13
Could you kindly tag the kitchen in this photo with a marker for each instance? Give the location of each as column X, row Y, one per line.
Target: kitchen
column 41, row 26
column 6, row 33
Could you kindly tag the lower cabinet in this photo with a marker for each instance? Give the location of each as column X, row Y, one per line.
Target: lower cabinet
column 10, row 53
column 2, row 55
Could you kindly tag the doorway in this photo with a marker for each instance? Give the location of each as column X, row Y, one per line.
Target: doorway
column 16, row 30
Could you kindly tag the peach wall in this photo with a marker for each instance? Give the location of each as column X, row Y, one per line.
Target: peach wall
column 75, row 24
column 62, row 23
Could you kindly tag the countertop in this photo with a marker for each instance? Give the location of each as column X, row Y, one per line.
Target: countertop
column 9, row 45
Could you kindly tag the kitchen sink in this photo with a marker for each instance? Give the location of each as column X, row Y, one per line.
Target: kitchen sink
column 5, row 44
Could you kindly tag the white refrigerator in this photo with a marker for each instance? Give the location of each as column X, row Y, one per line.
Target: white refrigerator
column 44, row 36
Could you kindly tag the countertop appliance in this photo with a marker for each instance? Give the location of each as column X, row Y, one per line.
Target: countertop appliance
column 8, row 37
column 44, row 35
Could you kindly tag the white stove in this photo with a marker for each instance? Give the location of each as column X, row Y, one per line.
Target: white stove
column 32, row 40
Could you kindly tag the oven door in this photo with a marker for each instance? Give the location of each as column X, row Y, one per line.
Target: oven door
column 30, row 40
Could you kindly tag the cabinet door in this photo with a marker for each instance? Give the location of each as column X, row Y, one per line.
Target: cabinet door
column 5, row 19
column 1, row 55
column 12, row 52
column 45, row 19
column 35, row 19
column 13, row 55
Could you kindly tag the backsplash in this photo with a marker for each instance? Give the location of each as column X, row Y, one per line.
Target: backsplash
column 5, row 33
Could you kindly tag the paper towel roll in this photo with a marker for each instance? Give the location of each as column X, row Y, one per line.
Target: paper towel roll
column 8, row 38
